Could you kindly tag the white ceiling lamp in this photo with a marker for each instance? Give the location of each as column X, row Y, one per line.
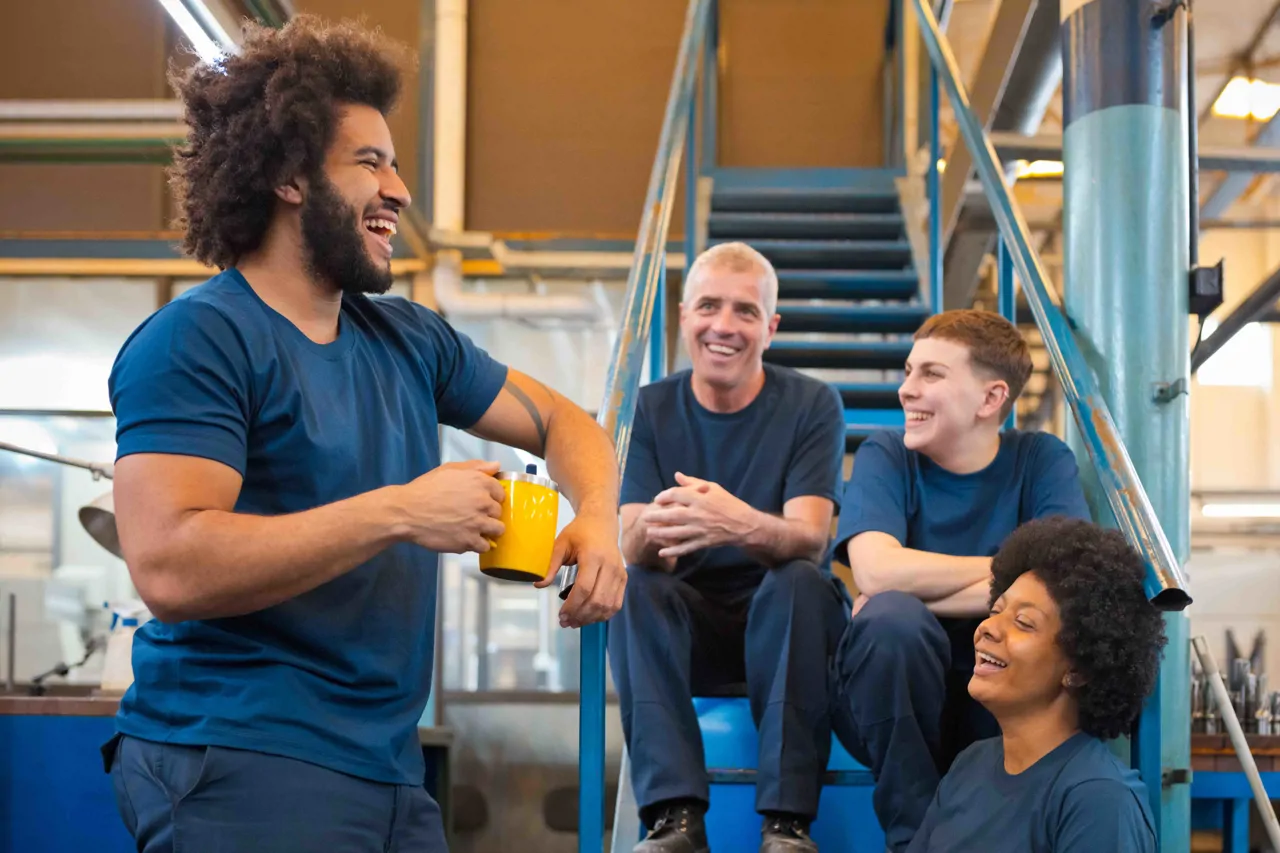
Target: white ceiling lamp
column 1243, row 97
column 207, row 25
column 1240, row 510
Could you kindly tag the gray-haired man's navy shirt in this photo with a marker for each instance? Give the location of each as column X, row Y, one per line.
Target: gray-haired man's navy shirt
column 787, row 443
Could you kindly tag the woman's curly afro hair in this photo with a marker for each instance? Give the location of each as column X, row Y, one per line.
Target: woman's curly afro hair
column 1110, row 633
column 267, row 115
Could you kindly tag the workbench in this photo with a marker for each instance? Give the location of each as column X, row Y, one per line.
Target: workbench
column 55, row 797
column 1220, row 794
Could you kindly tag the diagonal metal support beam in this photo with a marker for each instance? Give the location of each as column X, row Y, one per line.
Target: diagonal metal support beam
column 1234, row 185
column 998, row 59
column 1260, row 158
column 1035, row 69
column 1256, row 306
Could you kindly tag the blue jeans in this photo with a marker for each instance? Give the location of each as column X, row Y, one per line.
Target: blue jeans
column 210, row 799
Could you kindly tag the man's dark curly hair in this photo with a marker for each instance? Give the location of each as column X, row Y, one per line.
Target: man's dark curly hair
column 1110, row 633
column 262, row 117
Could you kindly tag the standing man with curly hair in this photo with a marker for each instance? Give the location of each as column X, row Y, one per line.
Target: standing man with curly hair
column 279, row 492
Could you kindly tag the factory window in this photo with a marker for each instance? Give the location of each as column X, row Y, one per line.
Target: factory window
column 1245, row 361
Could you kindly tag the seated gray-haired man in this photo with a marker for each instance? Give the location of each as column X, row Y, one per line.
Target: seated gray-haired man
column 731, row 483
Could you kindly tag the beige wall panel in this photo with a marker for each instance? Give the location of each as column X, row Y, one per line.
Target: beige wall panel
column 82, row 49
column 565, row 104
column 802, row 83
column 35, row 197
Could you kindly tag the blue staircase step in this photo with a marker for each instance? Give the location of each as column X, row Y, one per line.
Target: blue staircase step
column 849, row 355
column 797, row 200
column 855, row 434
column 887, row 319
column 846, row 226
column 874, row 418
column 834, row 254
column 868, row 395
column 847, row 284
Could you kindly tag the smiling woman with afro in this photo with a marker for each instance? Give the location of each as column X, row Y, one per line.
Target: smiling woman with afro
column 1068, row 654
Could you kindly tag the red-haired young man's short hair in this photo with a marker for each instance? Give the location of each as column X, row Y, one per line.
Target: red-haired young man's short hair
column 996, row 348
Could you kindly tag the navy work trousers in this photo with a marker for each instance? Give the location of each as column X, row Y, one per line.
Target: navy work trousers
column 199, row 799
column 902, row 709
column 670, row 642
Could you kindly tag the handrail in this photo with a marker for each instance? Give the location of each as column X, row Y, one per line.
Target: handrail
column 623, row 387
column 1165, row 582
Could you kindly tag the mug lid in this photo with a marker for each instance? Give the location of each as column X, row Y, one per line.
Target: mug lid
column 522, row 477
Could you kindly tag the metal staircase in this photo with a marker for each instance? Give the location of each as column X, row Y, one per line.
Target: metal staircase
column 848, row 290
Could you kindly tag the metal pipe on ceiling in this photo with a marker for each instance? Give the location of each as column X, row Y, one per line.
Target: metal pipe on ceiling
column 113, row 109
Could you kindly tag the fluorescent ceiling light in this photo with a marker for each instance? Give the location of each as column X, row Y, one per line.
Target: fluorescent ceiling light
column 1038, row 169
column 1241, row 510
column 208, row 49
column 1244, row 98
column 212, row 25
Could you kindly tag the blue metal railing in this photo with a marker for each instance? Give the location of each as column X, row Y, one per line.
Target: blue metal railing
column 645, row 287
column 1166, row 583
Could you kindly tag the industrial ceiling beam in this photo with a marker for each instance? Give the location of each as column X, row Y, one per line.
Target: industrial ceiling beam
column 1235, row 183
column 1015, row 146
column 1257, row 305
column 1036, row 71
column 1243, row 61
column 998, row 58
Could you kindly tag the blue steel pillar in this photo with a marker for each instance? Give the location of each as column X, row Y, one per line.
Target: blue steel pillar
column 1125, row 224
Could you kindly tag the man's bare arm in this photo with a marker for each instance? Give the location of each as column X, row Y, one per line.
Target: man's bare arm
column 638, row 547
column 580, row 457
column 579, row 454
column 880, row 563
column 192, row 557
column 802, row 533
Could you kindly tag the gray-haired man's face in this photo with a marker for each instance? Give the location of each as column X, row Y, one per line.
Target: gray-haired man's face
column 726, row 327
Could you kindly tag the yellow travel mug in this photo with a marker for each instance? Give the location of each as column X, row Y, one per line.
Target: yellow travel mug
column 529, row 513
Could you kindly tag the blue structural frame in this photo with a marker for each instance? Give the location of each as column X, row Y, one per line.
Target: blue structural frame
column 1126, row 250
column 1006, row 300
column 1160, row 736
column 636, row 340
column 935, row 196
column 643, row 332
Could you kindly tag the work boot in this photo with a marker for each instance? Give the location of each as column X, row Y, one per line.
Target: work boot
column 679, row 829
column 786, row 834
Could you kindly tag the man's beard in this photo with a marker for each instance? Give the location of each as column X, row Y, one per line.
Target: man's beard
column 333, row 242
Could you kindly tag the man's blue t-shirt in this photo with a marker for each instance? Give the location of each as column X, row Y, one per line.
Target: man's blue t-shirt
column 337, row 676
column 905, row 494
column 1077, row 799
column 787, row 443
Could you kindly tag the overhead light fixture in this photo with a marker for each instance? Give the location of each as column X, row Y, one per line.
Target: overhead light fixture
column 1244, row 97
column 204, row 27
column 1038, row 169
column 1241, row 510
